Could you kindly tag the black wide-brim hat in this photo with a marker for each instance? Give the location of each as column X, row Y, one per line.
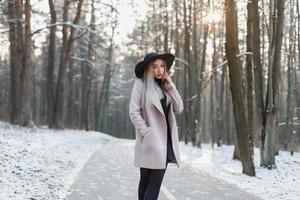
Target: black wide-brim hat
column 140, row 67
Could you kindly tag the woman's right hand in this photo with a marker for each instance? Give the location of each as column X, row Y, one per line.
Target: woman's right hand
column 135, row 112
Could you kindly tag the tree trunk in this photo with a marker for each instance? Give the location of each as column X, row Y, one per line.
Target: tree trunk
column 268, row 136
column 104, row 91
column 166, row 27
column 27, row 87
column 290, row 132
column 202, row 67
column 186, row 74
column 84, row 122
column 243, row 137
column 51, row 65
column 67, row 49
column 213, row 94
column 197, row 110
column 297, row 69
column 15, row 62
column 257, row 72
column 249, row 71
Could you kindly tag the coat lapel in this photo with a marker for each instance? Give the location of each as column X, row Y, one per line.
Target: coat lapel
column 156, row 102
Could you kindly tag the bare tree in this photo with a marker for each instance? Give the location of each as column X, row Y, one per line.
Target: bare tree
column 257, row 70
column 249, row 70
column 290, row 132
column 104, row 91
column 27, row 88
column 15, row 28
column 86, row 83
column 232, row 50
column 51, row 65
column 67, row 49
column 21, row 91
column 268, row 136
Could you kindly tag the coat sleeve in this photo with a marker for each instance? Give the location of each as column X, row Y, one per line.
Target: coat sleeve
column 176, row 98
column 135, row 113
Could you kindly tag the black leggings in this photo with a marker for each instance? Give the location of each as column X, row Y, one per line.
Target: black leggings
column 150, row 182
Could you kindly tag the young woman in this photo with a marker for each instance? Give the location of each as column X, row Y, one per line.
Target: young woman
column 153, row 104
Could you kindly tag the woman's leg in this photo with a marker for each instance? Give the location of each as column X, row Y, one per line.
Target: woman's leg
column 144, row 180
column 155, row 181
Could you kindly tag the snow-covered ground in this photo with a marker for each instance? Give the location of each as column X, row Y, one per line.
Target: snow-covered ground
column 40, row 163
column 280, row 183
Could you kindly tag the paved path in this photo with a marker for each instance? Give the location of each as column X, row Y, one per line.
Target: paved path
column 110, row 175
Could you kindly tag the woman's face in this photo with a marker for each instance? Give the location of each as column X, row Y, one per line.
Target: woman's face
column 157, row 68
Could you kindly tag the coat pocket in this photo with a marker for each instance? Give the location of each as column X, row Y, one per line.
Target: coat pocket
column 147, row 133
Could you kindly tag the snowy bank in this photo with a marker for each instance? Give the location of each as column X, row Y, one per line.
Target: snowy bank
column 280, row 183
column 40, row 163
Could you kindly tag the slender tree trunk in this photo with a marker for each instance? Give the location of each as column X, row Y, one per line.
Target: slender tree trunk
column 68, row 43
column 257, row 71
column 197, row 110
column 191, row 76
column 156, row 46
column 220, row 112
column 243, row 137
column 226, row 114
column 27, row 87
column 166, row 27
column 297, row 69
column 213, row 109
column 268, row 136
column 200, row 77
column 20, row 54
column 290, row 132
column 249, row 71
column 186, row 77
column 15, row 63
column 57, row 120
column 84, row 122
column 219, row 88
column 104, row 92
column 195, row 120
column 51, row 65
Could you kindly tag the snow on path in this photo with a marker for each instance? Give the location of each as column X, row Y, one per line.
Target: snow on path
column 282, row 183
column 38, row 163
column 110, row 175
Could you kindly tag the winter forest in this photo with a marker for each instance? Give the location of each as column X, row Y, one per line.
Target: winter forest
column 67, row 72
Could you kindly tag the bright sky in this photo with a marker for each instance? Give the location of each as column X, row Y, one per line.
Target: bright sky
column 129, row 11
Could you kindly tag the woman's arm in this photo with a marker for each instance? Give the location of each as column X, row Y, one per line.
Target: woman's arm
column 135, row 112
column 177, row 100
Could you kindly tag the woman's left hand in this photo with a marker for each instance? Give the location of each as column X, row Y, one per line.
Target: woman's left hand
column 166, row 77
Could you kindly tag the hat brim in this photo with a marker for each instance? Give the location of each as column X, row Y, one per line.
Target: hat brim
column 140, row 67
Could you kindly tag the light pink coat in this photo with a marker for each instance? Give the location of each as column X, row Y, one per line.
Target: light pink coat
column 151, row 131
